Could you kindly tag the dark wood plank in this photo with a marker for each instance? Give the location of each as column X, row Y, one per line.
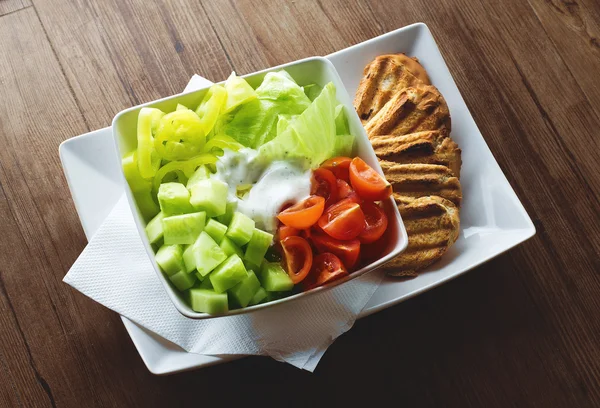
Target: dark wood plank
column 303, row 28
column 574, row 28
column 116, row 54
column 519, row 331
column 9, row 6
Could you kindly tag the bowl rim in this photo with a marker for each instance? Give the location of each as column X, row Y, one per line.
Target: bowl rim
column 182, row 307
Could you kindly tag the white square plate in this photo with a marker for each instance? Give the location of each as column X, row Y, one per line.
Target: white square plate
column 493, row 219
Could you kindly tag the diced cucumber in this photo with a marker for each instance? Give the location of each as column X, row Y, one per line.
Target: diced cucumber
column 271, row 296
column 211, row 196
column 183, row 229
column 216, row 230
column 228, row 274
column 183, row 280
column 229, row 210
column 189, row 261
column 174, row 199
column 208, row 301
column 154, row 229
column 258, row 297
column 201, row 173
column 274, row 279
column 243, row 292
column 207, row 254
column 132, row 174
column 240, row 229
column 258, row 245
column 205, row 284
column 146, row 204
column 251, row 265
column 200, row 277
column 170, row 258
column 230, row 248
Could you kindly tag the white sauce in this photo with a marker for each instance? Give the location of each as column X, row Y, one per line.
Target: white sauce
column 273, row 185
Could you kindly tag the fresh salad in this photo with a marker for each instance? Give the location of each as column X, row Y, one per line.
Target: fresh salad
column 255, row 194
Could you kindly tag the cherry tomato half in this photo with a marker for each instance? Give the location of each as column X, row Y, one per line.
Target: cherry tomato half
column 343, row 220
column 324, row 185
column 298, row 257
column 285, row 231
column 347, row 251
column 339, row 166
column 304, row 213
column 326, row 268
column 376, row 223
column 369, row 184
column 345, row 191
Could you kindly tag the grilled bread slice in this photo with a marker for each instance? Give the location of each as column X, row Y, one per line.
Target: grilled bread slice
column 432, row 224
column 413, row 109
column 384, row 77
column 428, row 147
column 415, row 180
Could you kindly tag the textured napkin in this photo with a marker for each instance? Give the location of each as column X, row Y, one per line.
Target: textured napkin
column 115, row 271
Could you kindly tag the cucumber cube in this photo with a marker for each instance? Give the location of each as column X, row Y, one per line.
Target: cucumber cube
column 132, row 174
column 201, row 173
column 240, row 229
column 243, row 292
column 230, row 248
column 258, row 245
column 229, row 210
column 174, row 199
column 271, row 296
column 274, row 279
column 205, row 284
column 154, row 229
column 189, row 261
column 208, row 301
column 228, row 274
column 211, row 196
column 183, row 280
column 170, row 259
column 251, row 265
column 216, row 230
column 183, row 229
column 207, row 254
column 258, row 297
column 145, row 203
column 200, row 277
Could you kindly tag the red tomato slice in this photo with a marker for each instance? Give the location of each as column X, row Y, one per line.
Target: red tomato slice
column 326, row 268
column 339, row 166
column 345, row 191
column 369, row 184
column 304, row 213
column 376, row 223
column 324, row 185
column 347, row 251
column 344, row 220
column 285, row 231
column 298, row 257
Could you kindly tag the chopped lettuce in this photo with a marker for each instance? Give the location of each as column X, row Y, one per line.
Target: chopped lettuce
column 312, row 135
column 255, row 122
column 238, row 92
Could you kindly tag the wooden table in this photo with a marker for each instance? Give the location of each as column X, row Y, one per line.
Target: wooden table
column 522, row 330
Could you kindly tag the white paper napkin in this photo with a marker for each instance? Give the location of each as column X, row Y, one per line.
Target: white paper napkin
column 115, row 271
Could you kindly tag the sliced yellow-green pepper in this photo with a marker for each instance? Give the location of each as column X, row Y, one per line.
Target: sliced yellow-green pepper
column 132, row 174
column 148, row 160
column 183, row 168
column 211, row 107
column 180, row 135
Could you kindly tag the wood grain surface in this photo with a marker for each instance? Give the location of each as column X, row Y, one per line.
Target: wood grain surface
column 522, row 330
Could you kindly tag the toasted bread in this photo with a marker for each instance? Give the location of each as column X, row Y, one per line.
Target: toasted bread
column 413, row 109
column 385, row 76
column 432, row 224
column 410, row 181
column 428, row 147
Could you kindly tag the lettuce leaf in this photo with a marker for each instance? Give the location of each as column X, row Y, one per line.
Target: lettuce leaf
column 312, row 135
column 254, row 123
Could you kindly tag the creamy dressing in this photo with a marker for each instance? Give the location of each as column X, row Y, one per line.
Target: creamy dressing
column 272, row 185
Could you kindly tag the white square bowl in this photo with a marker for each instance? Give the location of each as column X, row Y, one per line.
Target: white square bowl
column 315, row 70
